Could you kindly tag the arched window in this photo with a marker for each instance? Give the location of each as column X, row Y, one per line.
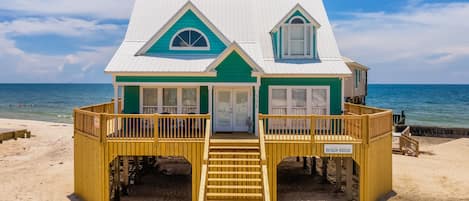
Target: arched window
column 297, row 38
column 189, row 39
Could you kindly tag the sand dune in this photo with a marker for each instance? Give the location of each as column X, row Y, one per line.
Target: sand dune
column 41, row 168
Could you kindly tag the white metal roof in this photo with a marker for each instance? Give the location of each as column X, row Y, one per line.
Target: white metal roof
column 247, row 22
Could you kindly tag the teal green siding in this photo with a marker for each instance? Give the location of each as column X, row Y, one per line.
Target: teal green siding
column 188, row 20
column 280, row 45
column 334, row 84
column 131, row 100
column 203, row 100
column 297, row 13
column 232, row 69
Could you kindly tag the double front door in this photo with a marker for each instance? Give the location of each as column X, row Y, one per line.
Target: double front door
column 233, row 109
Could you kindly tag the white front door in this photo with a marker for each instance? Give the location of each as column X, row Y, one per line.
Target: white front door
column 233, row 109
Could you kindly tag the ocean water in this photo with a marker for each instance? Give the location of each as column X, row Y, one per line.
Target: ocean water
column 437, row 105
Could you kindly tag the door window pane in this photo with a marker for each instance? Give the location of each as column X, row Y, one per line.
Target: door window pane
column 298, row 101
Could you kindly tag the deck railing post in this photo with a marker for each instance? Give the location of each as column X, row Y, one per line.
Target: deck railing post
column 365, row 129
column 313, row 128
column 156, row 129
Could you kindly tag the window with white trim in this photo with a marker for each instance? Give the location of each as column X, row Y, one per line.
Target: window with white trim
column 189, row 39
column 170, row 100
column 296, row 38
column 299, row 100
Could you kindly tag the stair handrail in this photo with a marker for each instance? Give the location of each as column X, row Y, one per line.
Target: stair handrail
column 265, row 178
column 203, row 177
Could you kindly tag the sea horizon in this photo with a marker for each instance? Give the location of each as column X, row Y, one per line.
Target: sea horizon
column 441, row 105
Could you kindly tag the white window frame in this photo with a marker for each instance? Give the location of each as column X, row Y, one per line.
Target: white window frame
column 309, row 89
column 305, row 44
column 179, row 98
column 171, row 47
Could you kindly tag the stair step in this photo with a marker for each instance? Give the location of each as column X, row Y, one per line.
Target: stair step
column 235, row 159
column 234, row 172
column 234, row 147
column 235, row 141
column 233, row 166
column 235, row 179
column 233, row 187
column 235, row 153
column 257, row 195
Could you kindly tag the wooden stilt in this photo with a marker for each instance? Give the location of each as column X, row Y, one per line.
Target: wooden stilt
column 324, row 170
column 349, row 178
column 117, row 179
column 125, row 174
column 313, row 166
column 305, row 166
column 338, row 173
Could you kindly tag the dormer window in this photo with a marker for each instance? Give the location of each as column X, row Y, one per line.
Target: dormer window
column 189, row 39
column 296, row 38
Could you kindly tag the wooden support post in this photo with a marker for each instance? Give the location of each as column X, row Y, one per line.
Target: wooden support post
column 125, row 174
column 349, row 178
column 338, row 173
column 305, row 166
column 324, row 170
column 313, row 166
column 117, row 179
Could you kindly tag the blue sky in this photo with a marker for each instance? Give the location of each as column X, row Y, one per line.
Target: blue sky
column 402, row 41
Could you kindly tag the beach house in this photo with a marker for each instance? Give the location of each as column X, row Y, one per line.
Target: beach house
column 356, row 86
column 234, row 87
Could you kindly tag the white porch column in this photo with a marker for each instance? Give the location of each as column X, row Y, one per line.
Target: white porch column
column 210, row 91
column 116, row 98
column 256, row 109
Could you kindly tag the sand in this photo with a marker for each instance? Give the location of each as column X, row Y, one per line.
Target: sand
column 41, row 168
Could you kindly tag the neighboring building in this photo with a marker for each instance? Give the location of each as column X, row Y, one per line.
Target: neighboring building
column 356, row 87
column 267, row 69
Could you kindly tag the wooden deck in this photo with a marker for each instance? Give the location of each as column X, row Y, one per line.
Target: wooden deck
column 7, row 134
column 217, row 159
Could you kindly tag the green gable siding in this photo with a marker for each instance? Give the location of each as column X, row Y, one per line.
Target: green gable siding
column 131, row 100
column 188, row 20
column 297, row 13
column 232, row 69
column 334, row 84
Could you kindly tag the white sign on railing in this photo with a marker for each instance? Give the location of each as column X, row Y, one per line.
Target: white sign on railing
column 338, row 149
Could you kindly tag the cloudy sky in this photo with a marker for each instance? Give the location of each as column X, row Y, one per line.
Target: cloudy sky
column 403, row 41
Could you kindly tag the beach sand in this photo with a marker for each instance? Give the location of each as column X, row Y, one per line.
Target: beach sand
column 41, row 168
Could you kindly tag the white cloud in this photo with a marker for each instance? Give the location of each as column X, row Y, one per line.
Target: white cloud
column 425, row 42
column 109, row 9
column 61, row 26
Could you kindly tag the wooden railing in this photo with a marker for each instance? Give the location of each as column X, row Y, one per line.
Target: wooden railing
column 204, row 173
column 265, row 177
column 361, row 109
column 157, row 126
column 312, row 127
column 99, row 121
column 408, row 145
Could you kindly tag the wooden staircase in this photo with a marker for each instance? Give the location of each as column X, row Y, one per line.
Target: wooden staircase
column 234, row 170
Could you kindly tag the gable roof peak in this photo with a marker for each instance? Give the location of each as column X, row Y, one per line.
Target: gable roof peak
column 292, row 11
column 185, row 8
column 235, row 47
